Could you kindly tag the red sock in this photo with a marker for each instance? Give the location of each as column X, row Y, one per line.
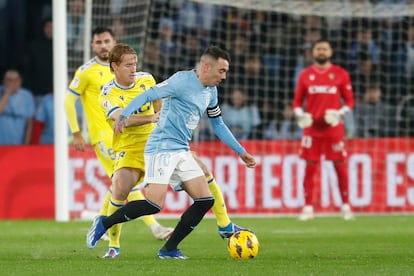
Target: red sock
column 308, row 182
column 342, row 174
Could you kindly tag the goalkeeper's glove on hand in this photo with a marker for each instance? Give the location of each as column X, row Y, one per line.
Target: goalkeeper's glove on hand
column 333, row 116
column 304, row 119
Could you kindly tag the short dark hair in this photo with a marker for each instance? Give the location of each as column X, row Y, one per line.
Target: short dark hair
column 100, row 30
column 321, row 40
column 216, row 52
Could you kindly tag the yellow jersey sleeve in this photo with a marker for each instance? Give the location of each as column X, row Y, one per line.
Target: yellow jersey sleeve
column 70, row 110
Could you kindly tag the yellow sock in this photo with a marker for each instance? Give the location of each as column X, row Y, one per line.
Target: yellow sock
column 135, row 194
column 104, row 209
column 115, row 231
column 219, row 207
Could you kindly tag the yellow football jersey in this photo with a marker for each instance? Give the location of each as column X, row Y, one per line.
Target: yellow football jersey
column 87, row 84
column 114, row 97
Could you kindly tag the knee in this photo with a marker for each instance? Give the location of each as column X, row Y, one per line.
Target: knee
column 204, row 203
column 119, row 192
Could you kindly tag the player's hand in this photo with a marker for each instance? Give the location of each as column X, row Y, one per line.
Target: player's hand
column 332, row 117
column 248, row 159
column 119, row 124
column 304, row 120
column 78, row 141
column 155, row 117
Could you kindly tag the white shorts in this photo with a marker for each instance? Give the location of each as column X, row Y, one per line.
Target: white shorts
column 172, row 168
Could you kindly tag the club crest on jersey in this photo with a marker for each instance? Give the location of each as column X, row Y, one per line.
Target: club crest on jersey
column 312, row 77
column 105, row 90
column 101, row 73
column 331, row 76
column 121, row 97
column 143, row 87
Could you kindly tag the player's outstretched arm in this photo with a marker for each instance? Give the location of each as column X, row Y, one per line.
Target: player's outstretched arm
column 135, row 104
column 225, row 135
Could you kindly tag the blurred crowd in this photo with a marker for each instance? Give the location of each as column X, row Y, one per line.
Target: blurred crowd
column 268, row 51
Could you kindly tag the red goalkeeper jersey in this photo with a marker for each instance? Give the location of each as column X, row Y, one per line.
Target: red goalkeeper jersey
column 320, row 89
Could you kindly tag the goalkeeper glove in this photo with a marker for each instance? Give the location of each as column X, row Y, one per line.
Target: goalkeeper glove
column 333, row 116
column 304, row 119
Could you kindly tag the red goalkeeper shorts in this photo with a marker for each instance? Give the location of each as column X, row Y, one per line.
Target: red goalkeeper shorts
column 312, row 148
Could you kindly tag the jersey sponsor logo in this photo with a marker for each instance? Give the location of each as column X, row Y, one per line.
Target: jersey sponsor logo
column 75, row 82
column 322, row 89
column 192, row 121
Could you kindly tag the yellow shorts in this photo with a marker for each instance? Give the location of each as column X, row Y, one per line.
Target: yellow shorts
column 131, row 158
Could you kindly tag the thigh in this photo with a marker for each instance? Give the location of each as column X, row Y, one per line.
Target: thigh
column 201, row 164
column 156, row 193
column 123, row 181
column 196, row 187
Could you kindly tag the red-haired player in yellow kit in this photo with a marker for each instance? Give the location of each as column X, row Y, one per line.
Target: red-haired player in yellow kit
column 86, row 86
column 129, row 146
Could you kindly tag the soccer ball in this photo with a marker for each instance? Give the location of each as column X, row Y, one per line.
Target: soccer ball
column 243, row 245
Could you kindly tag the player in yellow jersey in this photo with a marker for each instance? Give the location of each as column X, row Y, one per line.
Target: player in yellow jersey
column 129, row 146
column 86, row 85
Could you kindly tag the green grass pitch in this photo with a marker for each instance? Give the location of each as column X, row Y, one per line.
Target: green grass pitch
column 369, row 245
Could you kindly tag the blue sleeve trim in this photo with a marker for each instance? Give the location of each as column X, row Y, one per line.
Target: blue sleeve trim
column 110, row 112
column 73, row 92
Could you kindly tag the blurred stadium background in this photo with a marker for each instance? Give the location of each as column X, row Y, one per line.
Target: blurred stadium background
column 269, row 42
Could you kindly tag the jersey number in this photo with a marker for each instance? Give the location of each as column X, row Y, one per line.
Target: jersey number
column 306, row 142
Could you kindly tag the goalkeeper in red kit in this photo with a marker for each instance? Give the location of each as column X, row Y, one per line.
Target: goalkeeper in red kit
column 323, row 96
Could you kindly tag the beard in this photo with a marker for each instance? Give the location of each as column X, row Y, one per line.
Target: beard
column 322, row 60
column 103, row 56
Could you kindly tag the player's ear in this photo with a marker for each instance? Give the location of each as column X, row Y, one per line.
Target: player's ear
column 206, row 66
column 113, row 65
